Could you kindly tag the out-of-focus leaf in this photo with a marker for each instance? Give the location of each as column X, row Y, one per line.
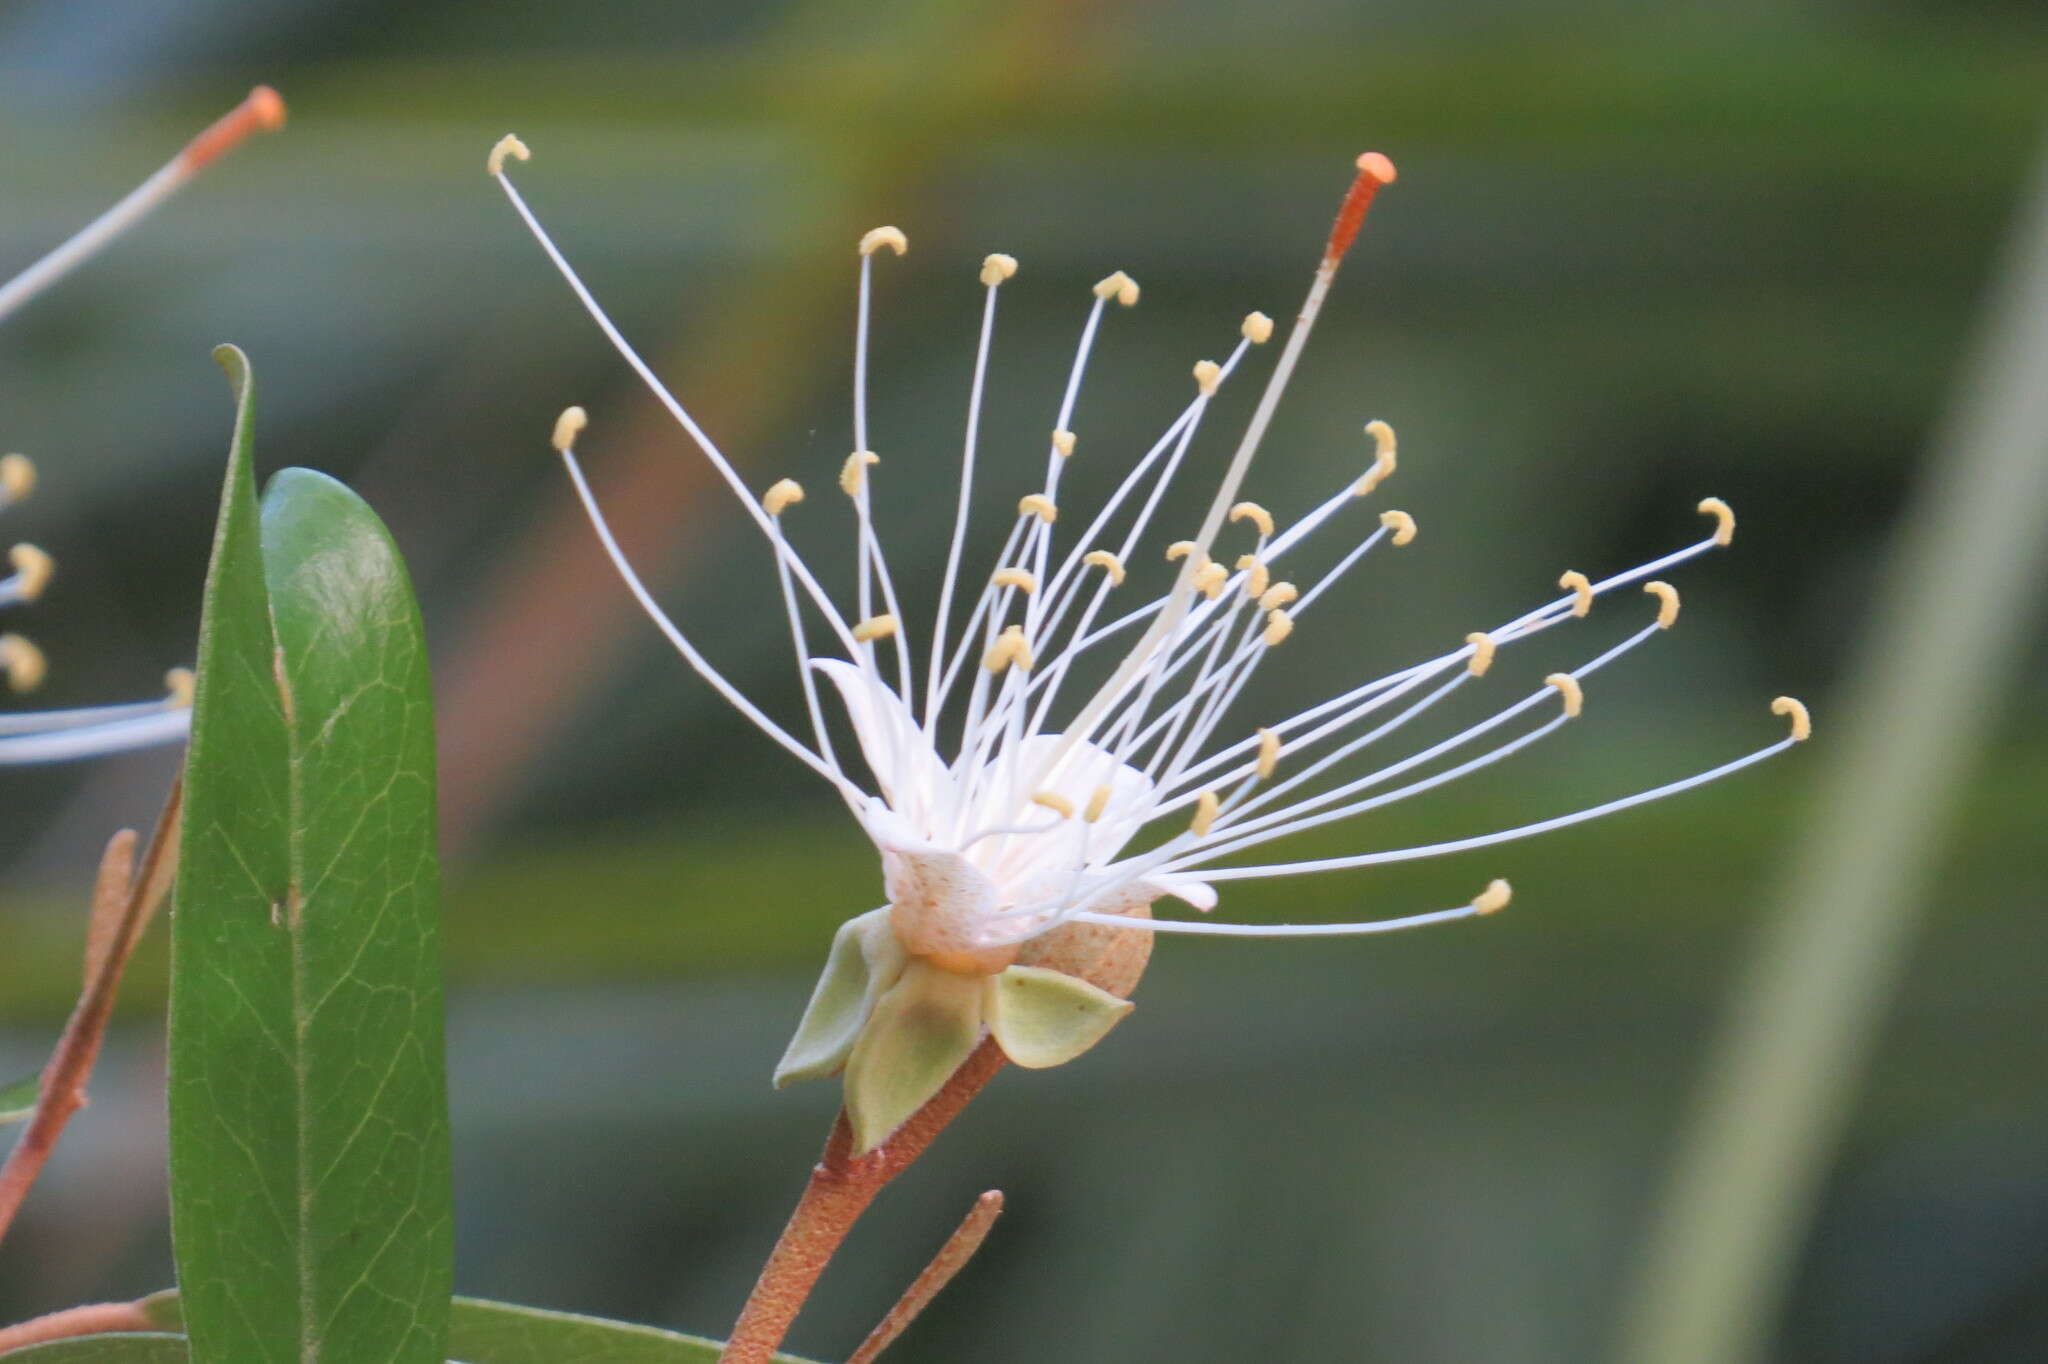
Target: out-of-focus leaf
column 19, row 1099
column 482, row 1332
column 126, row 1348
column 309, row 1150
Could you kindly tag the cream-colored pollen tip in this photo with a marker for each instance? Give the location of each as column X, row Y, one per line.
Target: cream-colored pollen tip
column 853, row 475
column 1724, row 519
column 1208, row 374
column 568, row 427
column 1010, row 650
column 874, row 239
column 1108, row 563
column 23, row 663
column 1568, row 687
column 1206, row 807
column 178, row 688
column 1802, row 722
column 508, row 146
column 1055, row 802
column 1401, row 523
column 782, row 494
column 997, row 268
column 17, row 478
column 1254, row 513
column 1494, row 898
column 1279, row 625
column 1278, row 595
column 1063, row 441
column 1118, row 286
column 1097, row 803
column 1038, row 505
column 1483, row 649
column 1384, row 458
column 1269, row 753
column 1020, row 578
column 32, row 570
column 1581, row 588
column 1667, row 603
column 874, row 628
column 1257, row 328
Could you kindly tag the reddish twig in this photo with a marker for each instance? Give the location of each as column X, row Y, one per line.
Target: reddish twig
column 97, row 1319
column 951, row 1259
column 840, row 1188
column 123, row 903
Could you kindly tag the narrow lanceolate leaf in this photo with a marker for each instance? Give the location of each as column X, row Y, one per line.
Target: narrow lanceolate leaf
column 136, row 1348
column 309, row 1146
column 19, row 1098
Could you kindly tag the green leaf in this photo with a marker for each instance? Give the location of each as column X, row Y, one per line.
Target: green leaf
column 920, row 1032
column 310, row 1197
column 125, row 1348
column 18, row 1100
column 866, row 959
column 481, row 1332
column 1046, row 1018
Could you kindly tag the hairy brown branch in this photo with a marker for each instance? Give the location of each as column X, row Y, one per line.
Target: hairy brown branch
column 97, row 1319
column 951, row 1259
column 124, row 901
column 840, row 1188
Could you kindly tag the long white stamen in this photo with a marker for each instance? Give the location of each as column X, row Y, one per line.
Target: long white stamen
column 165, row 725
column 959, row 541
column 1228, row 930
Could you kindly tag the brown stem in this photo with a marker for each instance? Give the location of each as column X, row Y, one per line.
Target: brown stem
column 97, row 1319
column 840, row 1188
column 951, row 1259
column 123, row 903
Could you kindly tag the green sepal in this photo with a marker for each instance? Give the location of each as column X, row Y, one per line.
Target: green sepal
column 1046, row 1018
column 927, row 1023
column 19, row 1100
column 866, row 959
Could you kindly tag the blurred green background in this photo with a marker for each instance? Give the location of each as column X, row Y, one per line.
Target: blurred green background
column 1637, row 255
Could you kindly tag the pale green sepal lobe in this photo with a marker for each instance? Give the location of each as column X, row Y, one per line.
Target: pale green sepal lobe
column 917, row 1036
column 866, row 960
column 1046, row 1018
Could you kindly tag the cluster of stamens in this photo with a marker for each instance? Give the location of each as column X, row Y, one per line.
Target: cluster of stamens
column 1079, row 808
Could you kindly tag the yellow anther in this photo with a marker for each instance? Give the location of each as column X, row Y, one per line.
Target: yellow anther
column 1038, row 505
column 1108, row 563
column 1019, row 578
column 1054, row 801
column 508, row 146
column 1802, row 723
column 178, row 687
column 1208, row 374
column 1206, row 807
column 1179, row 549
column 996, row 268
column 1008, row 651
column 1209, row 580
column 1279, row 625
column 1257, row 328
column 1569, row 688
column 1667, row 603
column 23, row 663
column 853, row 473
column 17, row 478
column 1257, row 577
column 32, row 570
column 1254, row 513
column 1581, row 589
column 1097, row 803
column 568, row 427
column 874, row 628
column 1401, row 523
column 1383, row 458
column 1494, row 898
column 1482, row 653
column 1278, row 595
column 783, row 494
column 1269, row 753
column 1118, row 286
column 876, row 238
column 1063, row 441
column 1724, row 519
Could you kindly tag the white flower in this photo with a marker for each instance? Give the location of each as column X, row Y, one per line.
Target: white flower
column 1007, row 800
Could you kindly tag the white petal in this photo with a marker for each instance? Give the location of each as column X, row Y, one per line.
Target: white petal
column 909, row 773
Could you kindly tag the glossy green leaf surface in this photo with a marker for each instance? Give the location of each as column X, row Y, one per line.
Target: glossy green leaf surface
column 127, row 1348
column 18, row 1100
column 309, row 1149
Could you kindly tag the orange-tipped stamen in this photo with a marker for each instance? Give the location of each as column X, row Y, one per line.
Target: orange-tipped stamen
column 262, row 112
column 1375, row 172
